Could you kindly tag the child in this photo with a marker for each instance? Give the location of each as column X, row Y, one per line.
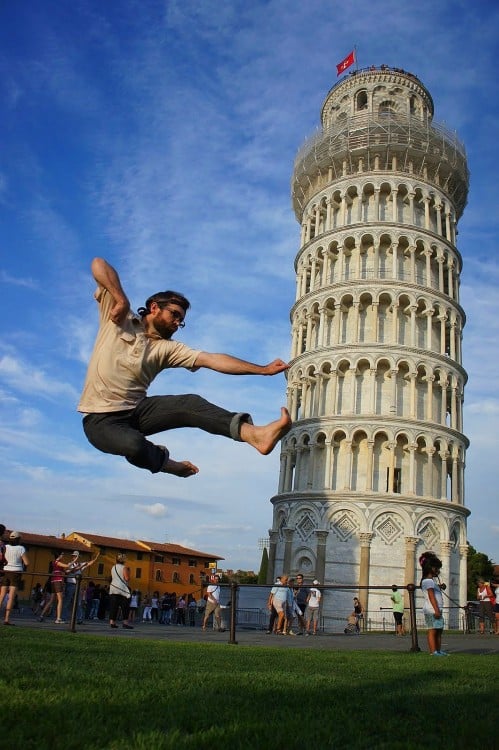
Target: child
column 433, row 602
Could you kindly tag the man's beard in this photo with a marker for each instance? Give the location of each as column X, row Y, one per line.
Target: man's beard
column 163, row 329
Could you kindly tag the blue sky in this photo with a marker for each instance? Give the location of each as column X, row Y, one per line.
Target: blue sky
column 162, row 135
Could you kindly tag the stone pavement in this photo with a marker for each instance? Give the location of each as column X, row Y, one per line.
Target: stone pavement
column 454, row 643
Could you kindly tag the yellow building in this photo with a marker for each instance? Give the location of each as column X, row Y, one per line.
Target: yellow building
column 154, row 566
column 41, row 550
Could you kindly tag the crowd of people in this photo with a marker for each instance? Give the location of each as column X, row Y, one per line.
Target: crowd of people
column 294, row 606
column 54, row 599
column 95, row 604
column 290, row 602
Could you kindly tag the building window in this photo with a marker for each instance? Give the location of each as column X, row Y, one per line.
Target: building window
column 158, row 558
column 193, row 563
column 176, row 578
column 159, row 576
column 175, row 560
column 206, row 564
column 397, row 481
column 191, row 578
column 100, row 569
column 140, row 555
column 361, row 101
column 138, row 572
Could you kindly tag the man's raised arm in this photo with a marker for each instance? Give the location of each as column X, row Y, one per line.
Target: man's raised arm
column 107, row 277
column 230, row 365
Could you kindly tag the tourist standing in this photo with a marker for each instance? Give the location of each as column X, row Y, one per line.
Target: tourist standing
column 16, row 560
column 433, row 602
column 119, row 592
column 398, row 610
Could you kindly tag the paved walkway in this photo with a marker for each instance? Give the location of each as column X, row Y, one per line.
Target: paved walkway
column 457, row 643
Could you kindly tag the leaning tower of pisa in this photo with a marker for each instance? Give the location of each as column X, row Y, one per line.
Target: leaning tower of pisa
column 372, row 471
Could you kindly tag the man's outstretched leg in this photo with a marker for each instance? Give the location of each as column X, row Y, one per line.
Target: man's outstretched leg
column 124, row 433
column 264, row 438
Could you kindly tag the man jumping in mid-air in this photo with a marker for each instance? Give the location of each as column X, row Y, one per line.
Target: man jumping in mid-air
column 130, row 350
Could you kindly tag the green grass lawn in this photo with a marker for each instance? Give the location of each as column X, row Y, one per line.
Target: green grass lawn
column 61, row 690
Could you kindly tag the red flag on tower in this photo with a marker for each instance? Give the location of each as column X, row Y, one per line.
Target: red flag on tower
column 344, row 64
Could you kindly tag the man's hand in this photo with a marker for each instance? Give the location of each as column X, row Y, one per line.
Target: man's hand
column 273, row 368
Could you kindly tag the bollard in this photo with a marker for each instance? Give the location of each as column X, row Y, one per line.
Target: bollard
column 411, row 588
column 74, row 608
column 233, row 610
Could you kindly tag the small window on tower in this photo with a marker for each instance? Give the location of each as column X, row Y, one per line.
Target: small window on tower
column 361, row 101
column 397, row 481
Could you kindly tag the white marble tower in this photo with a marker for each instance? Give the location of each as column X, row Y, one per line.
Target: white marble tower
column 372, row 471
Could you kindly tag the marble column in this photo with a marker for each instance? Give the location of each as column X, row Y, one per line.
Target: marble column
column 273, row 539
column 445, row 550
column 320, row 565
column 288, row 548
column 463, row 573
column 410, row 564
column 365, row 539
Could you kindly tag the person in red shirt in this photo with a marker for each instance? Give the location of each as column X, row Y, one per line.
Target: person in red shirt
column 57, row 572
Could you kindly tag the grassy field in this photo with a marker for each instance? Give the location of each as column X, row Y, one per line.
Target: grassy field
column 94, row 693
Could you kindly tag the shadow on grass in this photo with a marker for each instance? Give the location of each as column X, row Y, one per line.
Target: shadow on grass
column 97, row 694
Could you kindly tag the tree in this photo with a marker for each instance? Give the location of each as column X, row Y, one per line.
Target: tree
column 479, row 566
column 245, row 576
column 264, row 566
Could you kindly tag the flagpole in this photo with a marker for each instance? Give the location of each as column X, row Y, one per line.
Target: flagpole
column 355, row 56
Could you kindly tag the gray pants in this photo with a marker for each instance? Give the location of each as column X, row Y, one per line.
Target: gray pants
column 122, row 433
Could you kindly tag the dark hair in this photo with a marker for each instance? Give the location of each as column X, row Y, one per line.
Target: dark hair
column 162, row 297
column 429, row 561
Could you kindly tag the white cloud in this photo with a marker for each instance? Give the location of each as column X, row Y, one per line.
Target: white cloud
column 157, row 510
column 6, row 278
column 25, row 377
column 487, row 407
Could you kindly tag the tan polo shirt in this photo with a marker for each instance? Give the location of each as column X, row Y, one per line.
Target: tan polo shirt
column 125, row 361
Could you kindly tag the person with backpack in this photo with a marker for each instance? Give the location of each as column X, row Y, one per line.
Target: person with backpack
column 120, row 592
column 486, row 602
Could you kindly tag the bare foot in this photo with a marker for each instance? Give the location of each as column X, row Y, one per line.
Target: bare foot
column 181, row 468
column 265, row 437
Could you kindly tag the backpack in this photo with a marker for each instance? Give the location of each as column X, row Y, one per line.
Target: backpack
column 492, row 598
